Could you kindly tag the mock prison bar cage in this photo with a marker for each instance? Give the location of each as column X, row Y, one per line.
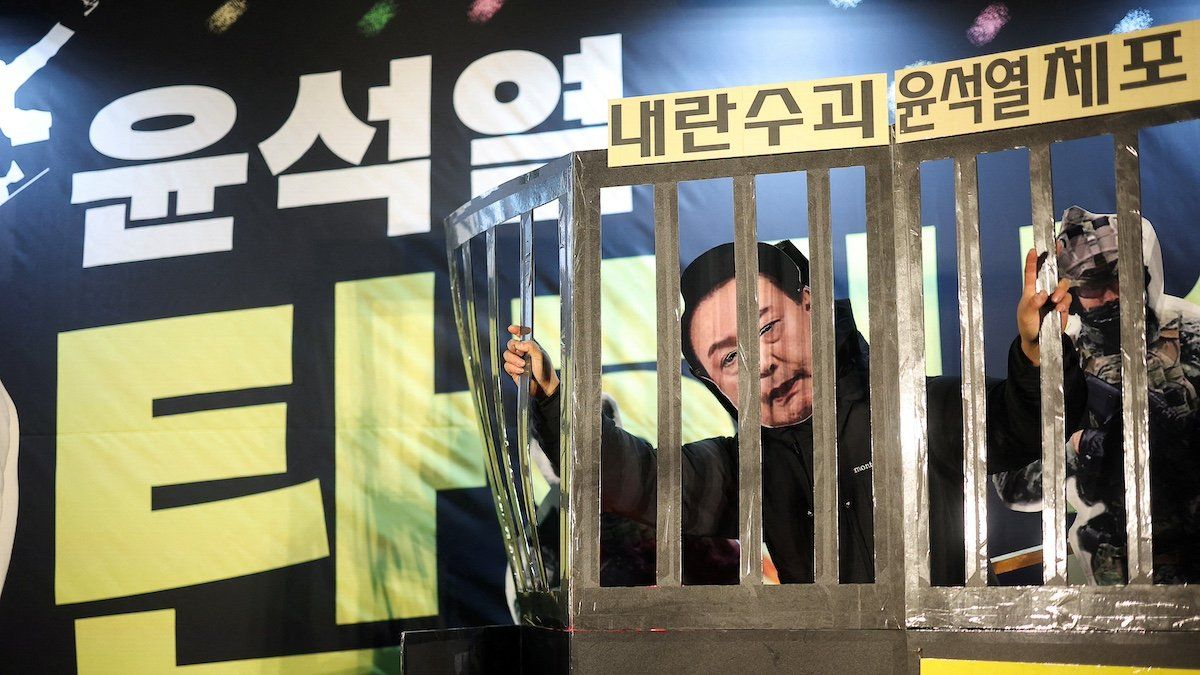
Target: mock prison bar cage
column 900, row 619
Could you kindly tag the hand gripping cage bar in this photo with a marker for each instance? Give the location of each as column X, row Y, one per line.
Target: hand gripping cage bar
column 901, row 595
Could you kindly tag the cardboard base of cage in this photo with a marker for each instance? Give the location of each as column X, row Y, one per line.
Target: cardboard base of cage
column 528, row 649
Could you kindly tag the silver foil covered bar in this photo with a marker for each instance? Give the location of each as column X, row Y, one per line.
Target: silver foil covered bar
column 496, row 423
column 1134, row 381
column 974, row 384
column 1054, row 501
column 745, row 233
column 462, row 288
column 824, row 368
column 911, row 373
column 670, row 457
column 525, row 468
column 508, row 200
column 566, row 466
column 583, row 393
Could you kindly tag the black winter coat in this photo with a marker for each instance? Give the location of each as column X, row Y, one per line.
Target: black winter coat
column 710, row 466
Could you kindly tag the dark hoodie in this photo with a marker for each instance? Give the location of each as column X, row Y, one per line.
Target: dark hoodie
column 710, row 466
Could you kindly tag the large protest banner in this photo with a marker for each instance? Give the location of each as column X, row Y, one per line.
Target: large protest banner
column 245, row 434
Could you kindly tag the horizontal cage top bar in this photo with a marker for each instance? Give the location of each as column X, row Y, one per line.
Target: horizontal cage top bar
column 508, row 200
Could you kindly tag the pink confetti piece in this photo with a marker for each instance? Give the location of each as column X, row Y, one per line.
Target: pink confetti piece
column 988, row 24
column 482, row 11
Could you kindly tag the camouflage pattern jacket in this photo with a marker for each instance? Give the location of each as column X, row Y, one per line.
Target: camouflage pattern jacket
column 1095, row 458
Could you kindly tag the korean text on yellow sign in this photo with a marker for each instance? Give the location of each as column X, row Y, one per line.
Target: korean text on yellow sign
column 1081, row 78
column 843, row 112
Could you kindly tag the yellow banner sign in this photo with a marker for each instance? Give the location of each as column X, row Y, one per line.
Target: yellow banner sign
column 1081, row 78
column 957, row 667
column 841, row 112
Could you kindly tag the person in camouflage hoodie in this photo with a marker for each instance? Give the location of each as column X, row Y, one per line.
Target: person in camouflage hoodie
column 1087, row 256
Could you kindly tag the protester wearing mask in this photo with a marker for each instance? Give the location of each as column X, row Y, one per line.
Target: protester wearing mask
column 1087, row 257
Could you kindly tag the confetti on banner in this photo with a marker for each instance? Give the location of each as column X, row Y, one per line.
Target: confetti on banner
column 988, row 24
column 226, row 15
column 482, row 11
column 1136, row 19
column 1050, row 83
column 377, row 17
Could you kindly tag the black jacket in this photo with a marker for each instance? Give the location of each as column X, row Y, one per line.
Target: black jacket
column 710, row 466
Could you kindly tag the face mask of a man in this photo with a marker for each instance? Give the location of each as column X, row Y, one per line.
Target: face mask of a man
column 785, row 349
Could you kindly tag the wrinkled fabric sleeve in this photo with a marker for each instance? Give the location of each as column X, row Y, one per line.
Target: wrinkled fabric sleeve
column 1015, row 408
column 629, row 473
column 1014, row 440
column 1014, row 412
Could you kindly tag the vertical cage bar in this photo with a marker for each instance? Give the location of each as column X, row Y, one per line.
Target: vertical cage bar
column 524, row 465
column 974, row 386
column 1054, row 502
column 567, row 504
column 497, row 422
column 670, row 457
column 887, row 471
column 468, row 335
column 911, row 387
column 1134, row 380
column 495, row 451
column 745, row 238
column 584, row 404
column 824, row 368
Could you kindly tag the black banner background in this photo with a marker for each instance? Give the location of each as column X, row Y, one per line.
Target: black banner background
column 296, row 256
